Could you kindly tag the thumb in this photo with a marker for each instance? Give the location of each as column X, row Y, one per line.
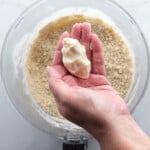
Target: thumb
column 56, row 84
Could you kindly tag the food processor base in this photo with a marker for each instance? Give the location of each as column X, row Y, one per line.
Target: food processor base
column 75, row 143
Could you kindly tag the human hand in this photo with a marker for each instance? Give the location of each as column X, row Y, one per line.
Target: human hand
column 91, row 103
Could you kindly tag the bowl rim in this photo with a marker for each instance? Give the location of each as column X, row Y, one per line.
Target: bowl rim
column 148, row 57
column 37, row 3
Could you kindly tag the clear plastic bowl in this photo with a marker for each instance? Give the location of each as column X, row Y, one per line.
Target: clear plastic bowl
column 27, row 22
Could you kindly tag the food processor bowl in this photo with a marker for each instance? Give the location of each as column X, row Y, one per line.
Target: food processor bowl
column 15, row 83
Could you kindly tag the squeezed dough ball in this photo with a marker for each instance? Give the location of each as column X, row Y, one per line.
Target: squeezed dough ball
column 75, row 59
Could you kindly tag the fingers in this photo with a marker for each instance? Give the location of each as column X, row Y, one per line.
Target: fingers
column 58, row 55
column 93, row 81
column 97, row 59
column 85, row 32
column 76, row 31
column 81, row 32
column 60, row 42
column 85, row 38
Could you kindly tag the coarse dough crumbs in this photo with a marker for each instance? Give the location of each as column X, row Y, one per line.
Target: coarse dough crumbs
column 118, row 61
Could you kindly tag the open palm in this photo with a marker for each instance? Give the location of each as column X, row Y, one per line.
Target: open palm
column 82, row 32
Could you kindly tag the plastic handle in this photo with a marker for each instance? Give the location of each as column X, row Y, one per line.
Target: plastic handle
column 75, row 143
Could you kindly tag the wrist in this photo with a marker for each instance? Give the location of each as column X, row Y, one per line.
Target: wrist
column 114, row 128
column 124, row 134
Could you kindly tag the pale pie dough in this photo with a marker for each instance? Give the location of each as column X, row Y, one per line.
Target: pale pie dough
column 75, row 59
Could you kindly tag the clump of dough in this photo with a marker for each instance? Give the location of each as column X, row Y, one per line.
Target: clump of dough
column 75, row 59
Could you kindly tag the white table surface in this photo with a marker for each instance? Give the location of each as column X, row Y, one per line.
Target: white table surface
column 15, row 132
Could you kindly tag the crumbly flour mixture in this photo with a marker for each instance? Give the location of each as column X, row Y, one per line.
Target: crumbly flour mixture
column 118, row 60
